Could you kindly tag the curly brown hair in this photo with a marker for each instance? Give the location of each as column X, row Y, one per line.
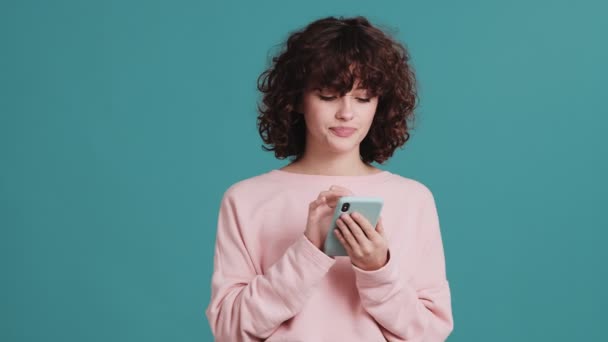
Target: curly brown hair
column 334, row 53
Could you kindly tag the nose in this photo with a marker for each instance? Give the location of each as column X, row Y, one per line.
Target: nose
column 345, row 112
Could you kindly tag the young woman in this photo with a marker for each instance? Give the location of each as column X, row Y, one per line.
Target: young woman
column 335, row 100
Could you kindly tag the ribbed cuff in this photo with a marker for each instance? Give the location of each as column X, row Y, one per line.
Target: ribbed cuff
column 384, row 275
column 316, row 255
column 298, row 272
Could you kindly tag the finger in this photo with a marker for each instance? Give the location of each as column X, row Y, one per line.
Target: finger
column 333, row 197
column 362, row 242
column 326, row 204
column 338, row 187
column 327, row 195
column 314, row 204
column 343, row 242
column 334, row 193
column 380, row 227
column 347, row 235
column 318, row 203
column 325, row 208
column 321, row 201
column 365, row 225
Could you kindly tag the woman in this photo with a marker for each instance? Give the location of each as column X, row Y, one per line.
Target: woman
column 335, row 100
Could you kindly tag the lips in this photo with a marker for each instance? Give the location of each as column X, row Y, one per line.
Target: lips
column 342, row 131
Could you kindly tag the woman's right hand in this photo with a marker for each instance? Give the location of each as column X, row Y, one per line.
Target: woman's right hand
column 320, row 212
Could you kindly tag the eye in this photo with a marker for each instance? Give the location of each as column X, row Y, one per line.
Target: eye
column 326, row 98
column 331, row 98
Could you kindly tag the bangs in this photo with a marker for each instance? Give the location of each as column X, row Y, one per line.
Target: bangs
column 348, row 59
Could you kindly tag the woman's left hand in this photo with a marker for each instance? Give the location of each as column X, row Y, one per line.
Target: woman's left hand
column 366, row 246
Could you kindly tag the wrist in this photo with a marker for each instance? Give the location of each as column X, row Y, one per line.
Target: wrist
column 314, row 241
column 375, row 265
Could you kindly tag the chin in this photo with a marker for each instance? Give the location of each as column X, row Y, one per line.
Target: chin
column 342, row 146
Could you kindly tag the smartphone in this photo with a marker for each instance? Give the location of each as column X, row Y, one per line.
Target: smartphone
column 369, row 207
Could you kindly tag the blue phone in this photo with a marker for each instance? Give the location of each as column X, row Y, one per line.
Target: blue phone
column 369, row 207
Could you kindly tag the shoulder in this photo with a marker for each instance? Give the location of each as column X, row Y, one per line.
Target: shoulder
column 248, row 187
column 410, row 192
column 412, row 186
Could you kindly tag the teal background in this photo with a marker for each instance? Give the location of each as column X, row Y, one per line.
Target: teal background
column 122, row 123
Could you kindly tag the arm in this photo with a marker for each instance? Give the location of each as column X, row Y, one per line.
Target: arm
column 246, row 306
column 411, row 307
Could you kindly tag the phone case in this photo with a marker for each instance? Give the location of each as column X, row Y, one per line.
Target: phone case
column 370, row 207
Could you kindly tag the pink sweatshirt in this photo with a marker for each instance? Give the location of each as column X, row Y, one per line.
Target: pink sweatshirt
column 271, row 283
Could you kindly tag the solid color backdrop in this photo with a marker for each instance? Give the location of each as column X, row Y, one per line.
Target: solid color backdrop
column 123, row 122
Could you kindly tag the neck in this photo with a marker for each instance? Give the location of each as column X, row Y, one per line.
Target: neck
column 346, row 164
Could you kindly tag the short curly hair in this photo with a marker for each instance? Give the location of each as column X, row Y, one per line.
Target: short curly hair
column 333, row 53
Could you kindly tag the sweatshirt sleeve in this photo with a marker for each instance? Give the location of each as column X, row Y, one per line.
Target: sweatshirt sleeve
column 411, row 305
column 246, row 306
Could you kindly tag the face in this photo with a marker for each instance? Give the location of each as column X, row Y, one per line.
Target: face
column 337, row 123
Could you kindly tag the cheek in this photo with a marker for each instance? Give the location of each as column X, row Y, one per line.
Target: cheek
column 318, row 116
column 313, row 118
column 314, row 123
column 369, row 116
